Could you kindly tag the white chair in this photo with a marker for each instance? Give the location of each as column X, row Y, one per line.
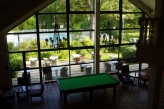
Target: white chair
column 87, row 70
column 63, row 72
column 53, row 60
column 33, row 62
column 107, row 67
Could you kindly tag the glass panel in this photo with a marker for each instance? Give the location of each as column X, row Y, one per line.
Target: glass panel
column 57, row 6
column 81, row 56
column 53, row 40
column 108, row 53
column 27, row 26
column 109, row 21
column 81, row 5
column 109, row 37
column 109, row 5
column 81, row 39
column 16, row 61
column 81, row 21
column 55, row 58
column 130, row 36
column 32, row 60
column 129, row 7
column 35, row 76
column 130, row 20
column 133, row 66
column 128, row 52
column 144, row 66
column 52, row 22
column 22, row 42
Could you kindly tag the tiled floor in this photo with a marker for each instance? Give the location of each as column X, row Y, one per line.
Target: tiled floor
column 102, row 99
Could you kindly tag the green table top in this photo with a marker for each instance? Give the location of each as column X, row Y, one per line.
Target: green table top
column 86, row 81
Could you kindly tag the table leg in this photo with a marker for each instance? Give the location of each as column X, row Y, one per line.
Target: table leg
column 91, row 95
column 65, row 98
column 114, row 91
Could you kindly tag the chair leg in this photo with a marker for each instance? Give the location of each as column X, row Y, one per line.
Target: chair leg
column 42, row 97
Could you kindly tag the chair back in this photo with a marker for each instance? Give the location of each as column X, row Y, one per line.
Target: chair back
column 87, row 70
column 23, row 81
column 120, row 77
column 63, row 72
column 47, row 71
column 125, row 70
column 42, row 88
column 107, row 67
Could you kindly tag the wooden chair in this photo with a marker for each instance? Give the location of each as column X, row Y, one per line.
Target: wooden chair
column 145, row 77
column 107, row 67
column 7, row 95
column 88, row 70
column 47, row 74
column 38, row 92
column 63, row 72
column 125, row 70
column 126, row 80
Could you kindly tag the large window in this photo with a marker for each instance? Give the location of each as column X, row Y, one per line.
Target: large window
column 62, row 34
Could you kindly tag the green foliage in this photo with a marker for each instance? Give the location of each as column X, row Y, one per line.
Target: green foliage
column 15, row 64
column 129, row 52
column 87, row 42
column 63, row 54
column 27, row 25
column 46, row 54
column 14, row 74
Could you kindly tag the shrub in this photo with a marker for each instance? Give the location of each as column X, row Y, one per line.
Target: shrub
column 129, row 52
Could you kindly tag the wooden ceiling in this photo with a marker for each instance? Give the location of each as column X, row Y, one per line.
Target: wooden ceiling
column 13, row 12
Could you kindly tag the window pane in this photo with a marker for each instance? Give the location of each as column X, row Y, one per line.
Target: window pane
column 81, row 39
column 109, row 37
column 55, row 58
column 27, row 26
column 57, row 6
column 22, row 42
column 130, row 20
column 109, row 5
column 53, row 40
column 32, row 60
column 130, row 36
column 109, row 53
column 128, row 53
column 129, row 7
column 81, row 5
column 81, row 21
column 47, row 22
column 16, row 61
column 109, row 21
